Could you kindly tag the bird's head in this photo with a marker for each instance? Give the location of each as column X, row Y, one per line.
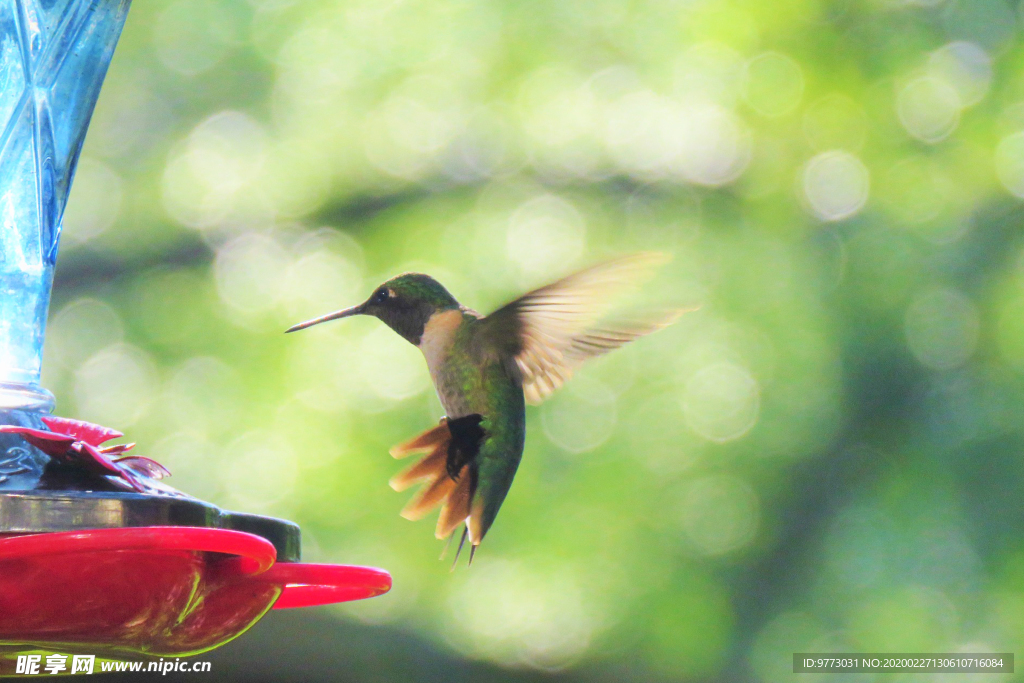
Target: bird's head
column 405, row 303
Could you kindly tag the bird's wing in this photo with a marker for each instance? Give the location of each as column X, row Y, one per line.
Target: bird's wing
column 552, row 330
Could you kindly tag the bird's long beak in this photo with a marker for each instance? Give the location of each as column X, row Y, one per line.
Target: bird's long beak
column 343, row 313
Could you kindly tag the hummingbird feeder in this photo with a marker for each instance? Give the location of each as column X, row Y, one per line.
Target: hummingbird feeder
column 97, row 555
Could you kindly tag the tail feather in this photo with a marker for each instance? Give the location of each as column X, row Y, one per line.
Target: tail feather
column 427, row 468
column 462, row 542
column 447, row 545
column 429, row 497
column 456, row 509
column 427, row 441
column 456, row 496
column 475, row 521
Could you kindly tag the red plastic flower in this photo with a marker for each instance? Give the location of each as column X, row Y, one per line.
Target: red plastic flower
column 78, row 443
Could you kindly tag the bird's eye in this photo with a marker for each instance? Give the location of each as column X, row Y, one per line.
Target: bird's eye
column 381, row 296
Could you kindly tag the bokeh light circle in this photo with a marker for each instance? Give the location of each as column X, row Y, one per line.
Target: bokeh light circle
column 929, row 108
column 720, row 514
column 115, row 385
column 965, row 66
column 836, row 185
column 721, row 402
column 582, row 416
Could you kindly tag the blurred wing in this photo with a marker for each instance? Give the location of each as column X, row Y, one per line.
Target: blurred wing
column 552, row 330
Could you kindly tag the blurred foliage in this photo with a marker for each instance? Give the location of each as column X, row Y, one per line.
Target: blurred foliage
column 827, row 456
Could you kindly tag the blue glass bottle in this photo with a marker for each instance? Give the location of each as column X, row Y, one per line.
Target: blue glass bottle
column 53, row 57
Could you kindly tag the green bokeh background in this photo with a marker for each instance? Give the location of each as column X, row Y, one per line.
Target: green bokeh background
column 828, row 455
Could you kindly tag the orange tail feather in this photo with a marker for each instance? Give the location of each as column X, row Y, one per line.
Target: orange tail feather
column 455, row 496
column 427, row 468
column 429, row 497
column 456, row 509
column 427, row 441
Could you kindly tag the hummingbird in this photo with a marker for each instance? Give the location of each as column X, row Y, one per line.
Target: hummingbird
column 485, row 368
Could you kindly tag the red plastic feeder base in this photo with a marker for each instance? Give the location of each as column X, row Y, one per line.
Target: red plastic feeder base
column 154, row 591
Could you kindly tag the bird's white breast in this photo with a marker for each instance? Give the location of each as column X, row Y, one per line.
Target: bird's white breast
column 436, row 340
